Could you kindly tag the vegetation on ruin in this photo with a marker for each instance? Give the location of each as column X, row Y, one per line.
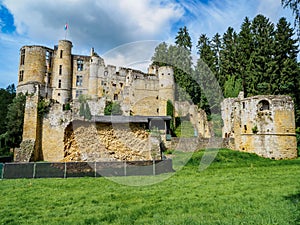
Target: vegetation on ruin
column 238, row 188
column 112, row 108
column 43, row 107
column 185, row 129
column 84, row 109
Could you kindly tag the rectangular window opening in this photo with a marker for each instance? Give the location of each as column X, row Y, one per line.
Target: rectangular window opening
column 78, row 80
column 22, row 57
column 79, row 65
column 78, row 93
column 21, row 76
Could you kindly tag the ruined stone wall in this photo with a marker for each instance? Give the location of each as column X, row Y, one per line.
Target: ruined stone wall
column 144, row 97
column 29, row 148
column 227, row 112
column 197, row 117
column 104, row 142
column 264, row 125
column 54, row 124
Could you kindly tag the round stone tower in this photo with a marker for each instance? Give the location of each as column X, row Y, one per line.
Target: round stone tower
column 62, row 71
column 96, row 67
column 32, row 68
column 166, row 88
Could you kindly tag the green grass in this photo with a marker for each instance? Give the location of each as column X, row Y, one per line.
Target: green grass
column 237, row 188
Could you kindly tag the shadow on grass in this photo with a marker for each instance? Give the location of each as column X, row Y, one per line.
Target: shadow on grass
column 295, row 199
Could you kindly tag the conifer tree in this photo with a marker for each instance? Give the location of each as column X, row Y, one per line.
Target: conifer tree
column 287, row 70
column 181, row 59
column 216, row 45
column 206, row 74
column 183, row 38
column 244, row 51
column 160, row 57
column 229, row 70
column 262, row 64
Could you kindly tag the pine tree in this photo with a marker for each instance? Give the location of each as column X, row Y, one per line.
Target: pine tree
column 229, row 71
column 206, row 74
column 287, row 71
column 161, row 57
column 183, row 39
column 181, row 60
column 216, row 45
column 286, row 59
column 262, row 63
column 244, row 51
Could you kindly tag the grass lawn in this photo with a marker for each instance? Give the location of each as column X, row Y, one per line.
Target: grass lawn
column 238, row 188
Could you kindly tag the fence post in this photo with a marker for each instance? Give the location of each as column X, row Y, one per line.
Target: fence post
column 65, row 171
column 125, row 169
column 95, row 168
column 153, row 166
column 2, row 171
column 34, row 168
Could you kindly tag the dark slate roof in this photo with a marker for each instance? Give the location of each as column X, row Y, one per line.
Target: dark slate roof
column 128, row 119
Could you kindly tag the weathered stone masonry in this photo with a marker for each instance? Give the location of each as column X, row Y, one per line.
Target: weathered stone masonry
column 263, row 124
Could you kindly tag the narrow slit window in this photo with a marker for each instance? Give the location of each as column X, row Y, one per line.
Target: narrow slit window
column 60, row 70
column 59, row 83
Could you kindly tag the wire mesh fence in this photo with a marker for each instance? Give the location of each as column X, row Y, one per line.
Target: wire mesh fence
column 84, row 169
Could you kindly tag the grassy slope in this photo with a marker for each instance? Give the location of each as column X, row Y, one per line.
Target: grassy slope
column 238, row 188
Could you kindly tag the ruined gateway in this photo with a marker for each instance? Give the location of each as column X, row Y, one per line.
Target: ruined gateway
column 58, row 77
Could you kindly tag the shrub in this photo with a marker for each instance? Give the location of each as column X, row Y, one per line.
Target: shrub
column 113, row 108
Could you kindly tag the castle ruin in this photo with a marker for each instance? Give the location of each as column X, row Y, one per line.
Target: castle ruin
column 59, row 77
column 263, row 124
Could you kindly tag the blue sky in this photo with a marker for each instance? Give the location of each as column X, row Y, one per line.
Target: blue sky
column 105, row 24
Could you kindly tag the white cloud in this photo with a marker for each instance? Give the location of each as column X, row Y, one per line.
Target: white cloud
column 135, row 55
column 99, row 23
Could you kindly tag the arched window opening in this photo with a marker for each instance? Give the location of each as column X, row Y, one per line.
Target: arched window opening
column 263, row 105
